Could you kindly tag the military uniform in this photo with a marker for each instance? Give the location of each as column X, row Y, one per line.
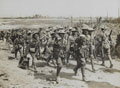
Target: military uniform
column 58, row 52
column 71, row 42
column 87, row 41
column 32, row 45
column 18, row 45
column 91, row 47
column 2, row 34
column 28, row 39
column 49, row 48
column 117, row 46
column 106, row 47
column 79, row 55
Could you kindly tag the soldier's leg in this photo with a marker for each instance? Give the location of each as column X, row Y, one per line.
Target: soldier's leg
column 21, row 57
column 27, row 48
column 33, row 62
column 20, row 61
column 77, row 58
column 86, row 55
column 68, row 56
column 51, row 58
column 59, row 67
column 76, row 68
column 64, row 56
column 20, row 52
column 82, row 65
column 70, row 53
column 110, row 58
column 16, row 51
column 92, row 63
column 103, row 56
column 28, row 62
column 48, row 59
column 83, row 73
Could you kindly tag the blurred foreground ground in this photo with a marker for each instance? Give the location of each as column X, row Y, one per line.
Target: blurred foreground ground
column 13, row 77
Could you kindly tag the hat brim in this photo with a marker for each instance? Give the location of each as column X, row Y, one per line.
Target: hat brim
column 61, row 32
column 103, row 29
column 84, row 29
column 91, row 30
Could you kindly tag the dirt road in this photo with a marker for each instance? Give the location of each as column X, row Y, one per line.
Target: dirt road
column 12, row 76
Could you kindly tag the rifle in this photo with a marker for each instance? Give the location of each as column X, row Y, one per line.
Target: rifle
column 40, row 40
column 110, row 35
column 43, row 36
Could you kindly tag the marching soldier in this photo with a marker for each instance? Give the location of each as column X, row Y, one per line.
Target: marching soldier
column 91, row 47
column 85, row 32
column 117, row 46
column 71, row 40
column 28, row 39
column 106, row 47
column 79, row 55
column 2, row 34
column 58, row 52
column 31, row 47
column 49, row 48
column 18, row 45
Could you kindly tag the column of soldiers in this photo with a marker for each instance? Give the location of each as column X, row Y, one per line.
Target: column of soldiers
column 59, row 45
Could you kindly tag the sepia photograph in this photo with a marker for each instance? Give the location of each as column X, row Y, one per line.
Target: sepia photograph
column 59, row 43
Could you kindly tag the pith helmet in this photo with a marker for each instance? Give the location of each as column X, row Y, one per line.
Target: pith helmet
column 61, row 32
column 91, row 29
column 85, row 27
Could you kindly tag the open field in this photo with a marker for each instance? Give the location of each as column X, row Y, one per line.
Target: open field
column 33, row 22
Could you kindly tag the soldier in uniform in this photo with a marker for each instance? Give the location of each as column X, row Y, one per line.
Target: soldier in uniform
column 117, row 46
column 28, row 39
column 91, row 47
column 18, row 45
column 106, row 47
column 58, row 52
column 31, row 47
column 2, row 34
column 49, row 48
column 79, row 55
column 87, row 36
column 71, row 40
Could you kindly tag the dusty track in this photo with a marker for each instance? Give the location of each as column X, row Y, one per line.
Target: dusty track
column 13, row 77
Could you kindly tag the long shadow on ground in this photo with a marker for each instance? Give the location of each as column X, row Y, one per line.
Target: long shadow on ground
column 109, row 70
column 93, row 84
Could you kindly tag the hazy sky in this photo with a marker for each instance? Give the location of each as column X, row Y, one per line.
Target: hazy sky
column 59, row 7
